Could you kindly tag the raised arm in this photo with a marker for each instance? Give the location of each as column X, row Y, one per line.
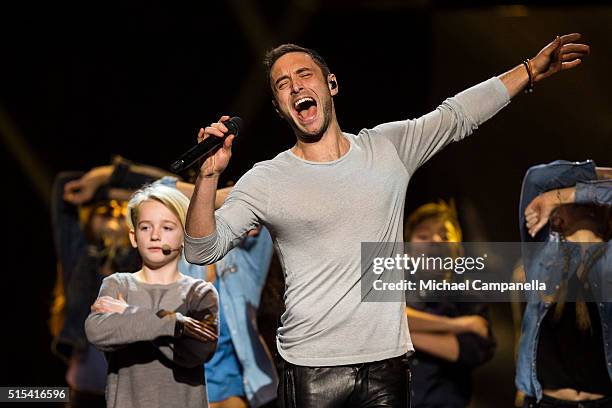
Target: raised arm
column 120, row 179
column 68, row 237
column 561, row 54
column 537, row 213
column 242, row 211
column 417, row 140
column 545, row 177
column 209, row 235
column 200, row 216
column 558, row 183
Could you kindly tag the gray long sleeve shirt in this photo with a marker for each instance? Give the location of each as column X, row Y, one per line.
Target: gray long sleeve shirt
column 147, row 366
column 319, row 213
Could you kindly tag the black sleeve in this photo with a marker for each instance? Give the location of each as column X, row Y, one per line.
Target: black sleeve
column 475, row 350
column 69, row 239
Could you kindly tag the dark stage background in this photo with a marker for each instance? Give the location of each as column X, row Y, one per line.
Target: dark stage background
column 81, row 82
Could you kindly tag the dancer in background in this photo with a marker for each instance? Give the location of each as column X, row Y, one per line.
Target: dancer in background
column 91, row 241
column 565, row 358
column 450, row 339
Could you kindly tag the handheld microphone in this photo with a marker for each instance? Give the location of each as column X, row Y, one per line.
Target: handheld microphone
column 207, row 147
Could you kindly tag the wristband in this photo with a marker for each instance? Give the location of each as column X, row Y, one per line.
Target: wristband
column 179, row 326
column 527, row 64
column 179, row 329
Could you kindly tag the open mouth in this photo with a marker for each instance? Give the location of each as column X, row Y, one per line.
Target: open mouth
column 306, row 108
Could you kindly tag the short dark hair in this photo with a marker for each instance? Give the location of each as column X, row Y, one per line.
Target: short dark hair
column 274, row 54
column 600, row 215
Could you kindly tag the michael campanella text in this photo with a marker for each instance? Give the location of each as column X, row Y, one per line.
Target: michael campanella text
column 444, row 285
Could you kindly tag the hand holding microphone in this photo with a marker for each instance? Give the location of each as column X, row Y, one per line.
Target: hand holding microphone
column 214, row 145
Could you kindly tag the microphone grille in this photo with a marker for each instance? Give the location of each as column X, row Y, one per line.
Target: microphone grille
column 234, row 125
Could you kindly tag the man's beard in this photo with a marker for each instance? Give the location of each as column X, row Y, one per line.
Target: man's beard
column 313, row 137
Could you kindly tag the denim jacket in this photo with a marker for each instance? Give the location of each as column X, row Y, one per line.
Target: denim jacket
column 546, row 265
column 242, row 275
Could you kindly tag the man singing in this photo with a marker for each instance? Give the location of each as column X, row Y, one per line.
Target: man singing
column 323, row 197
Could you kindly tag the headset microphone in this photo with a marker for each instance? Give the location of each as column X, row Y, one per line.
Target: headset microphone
column 167, row 250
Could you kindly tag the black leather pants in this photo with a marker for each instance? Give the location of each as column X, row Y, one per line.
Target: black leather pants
column 378, row 384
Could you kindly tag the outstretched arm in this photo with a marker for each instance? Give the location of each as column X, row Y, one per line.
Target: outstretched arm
column 417, row 140
column 561, row 54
